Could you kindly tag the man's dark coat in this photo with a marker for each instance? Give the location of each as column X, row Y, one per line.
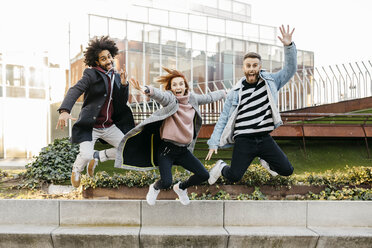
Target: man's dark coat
column 94, row 86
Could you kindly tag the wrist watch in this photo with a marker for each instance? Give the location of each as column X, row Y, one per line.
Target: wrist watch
column 147, row 90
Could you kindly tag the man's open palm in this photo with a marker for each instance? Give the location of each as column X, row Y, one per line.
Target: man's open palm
column 286, row 38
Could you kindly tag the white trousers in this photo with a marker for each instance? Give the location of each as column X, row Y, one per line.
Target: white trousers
column 111, row 135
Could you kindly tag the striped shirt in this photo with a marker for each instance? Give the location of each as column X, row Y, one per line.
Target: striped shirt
column 254, row 111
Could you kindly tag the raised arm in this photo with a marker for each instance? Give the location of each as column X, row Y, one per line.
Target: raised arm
column 290, row 58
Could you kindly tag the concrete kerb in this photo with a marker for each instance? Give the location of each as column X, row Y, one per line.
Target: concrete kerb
column 28, row 223
column 59, row 223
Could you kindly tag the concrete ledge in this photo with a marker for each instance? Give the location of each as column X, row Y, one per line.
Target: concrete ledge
column 268, row 236
column 100, row 213
column 339, row 213
column 29, row 212
column 126, row 223
column 173, row 213
column 77, row 237
column 265, row 213
column 163, row 236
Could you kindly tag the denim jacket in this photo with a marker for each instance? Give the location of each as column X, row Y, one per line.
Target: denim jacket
column 222, row 135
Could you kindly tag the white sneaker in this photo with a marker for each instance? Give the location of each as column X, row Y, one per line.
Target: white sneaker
column 215, row 172
column 152, row 195
column 182, row 194
column 267, row 167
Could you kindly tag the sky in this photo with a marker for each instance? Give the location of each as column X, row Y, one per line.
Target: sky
column 337, row 31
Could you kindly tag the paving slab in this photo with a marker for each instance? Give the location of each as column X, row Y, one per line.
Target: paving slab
column 14, row 236
column 86, row 237
column 338, row 237
column 268, row 236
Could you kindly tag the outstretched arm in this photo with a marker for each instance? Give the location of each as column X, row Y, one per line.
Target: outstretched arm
column 164, row 98
column 210, row 97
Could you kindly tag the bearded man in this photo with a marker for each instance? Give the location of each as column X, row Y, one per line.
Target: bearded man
column 105, row 114
column 250, row 113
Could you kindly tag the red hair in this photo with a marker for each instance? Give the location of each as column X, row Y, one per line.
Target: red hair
column 166, row 80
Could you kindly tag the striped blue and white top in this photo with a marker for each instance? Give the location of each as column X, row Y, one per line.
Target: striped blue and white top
column 254, row 112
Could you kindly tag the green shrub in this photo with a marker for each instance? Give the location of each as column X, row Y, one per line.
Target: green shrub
column 3, row 174
column 255, row 176
column 346, row 193
column 53, row 165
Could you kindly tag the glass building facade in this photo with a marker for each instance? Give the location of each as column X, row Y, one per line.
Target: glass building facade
column 206, row 41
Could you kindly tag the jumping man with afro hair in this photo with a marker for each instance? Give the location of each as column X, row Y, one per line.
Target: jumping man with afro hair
column 104, row 114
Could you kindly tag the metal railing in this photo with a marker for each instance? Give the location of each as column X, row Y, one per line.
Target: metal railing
column 308, row 87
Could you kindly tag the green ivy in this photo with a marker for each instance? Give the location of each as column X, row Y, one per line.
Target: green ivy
column 3, row 174
column 346, row 193
column 255, row 176
column 52, row 165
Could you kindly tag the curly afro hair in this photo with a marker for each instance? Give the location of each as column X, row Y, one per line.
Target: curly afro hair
column 96, row 46
column 165, row 80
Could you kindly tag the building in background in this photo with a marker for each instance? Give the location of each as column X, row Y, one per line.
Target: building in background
column 26, row 81
column 206, row 40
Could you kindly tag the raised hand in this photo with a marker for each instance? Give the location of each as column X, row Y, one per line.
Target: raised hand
column 286, row 38
column 123, row 76
column 62, row 120
column 135, row 84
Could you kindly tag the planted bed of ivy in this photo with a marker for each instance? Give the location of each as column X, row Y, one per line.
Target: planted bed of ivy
column 353, row 183
column 54, row 164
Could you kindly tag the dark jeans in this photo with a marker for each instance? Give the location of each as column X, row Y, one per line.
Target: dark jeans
column 170, row 154
column 247, row 148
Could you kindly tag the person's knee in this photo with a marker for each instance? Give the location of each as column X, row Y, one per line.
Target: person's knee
column 204, row 176
column 235, row 178
column 287, row 172
column 166, row 183
column 86, row 156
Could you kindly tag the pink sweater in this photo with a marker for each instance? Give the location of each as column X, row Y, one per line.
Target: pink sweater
column 180, row 127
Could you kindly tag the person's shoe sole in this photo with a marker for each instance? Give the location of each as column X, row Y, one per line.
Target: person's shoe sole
column 212, row 179
column 177, row 189
column 75, row 183
column 91, row 167
column 148, row 196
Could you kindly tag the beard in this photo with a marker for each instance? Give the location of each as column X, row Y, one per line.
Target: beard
column 252, row 77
